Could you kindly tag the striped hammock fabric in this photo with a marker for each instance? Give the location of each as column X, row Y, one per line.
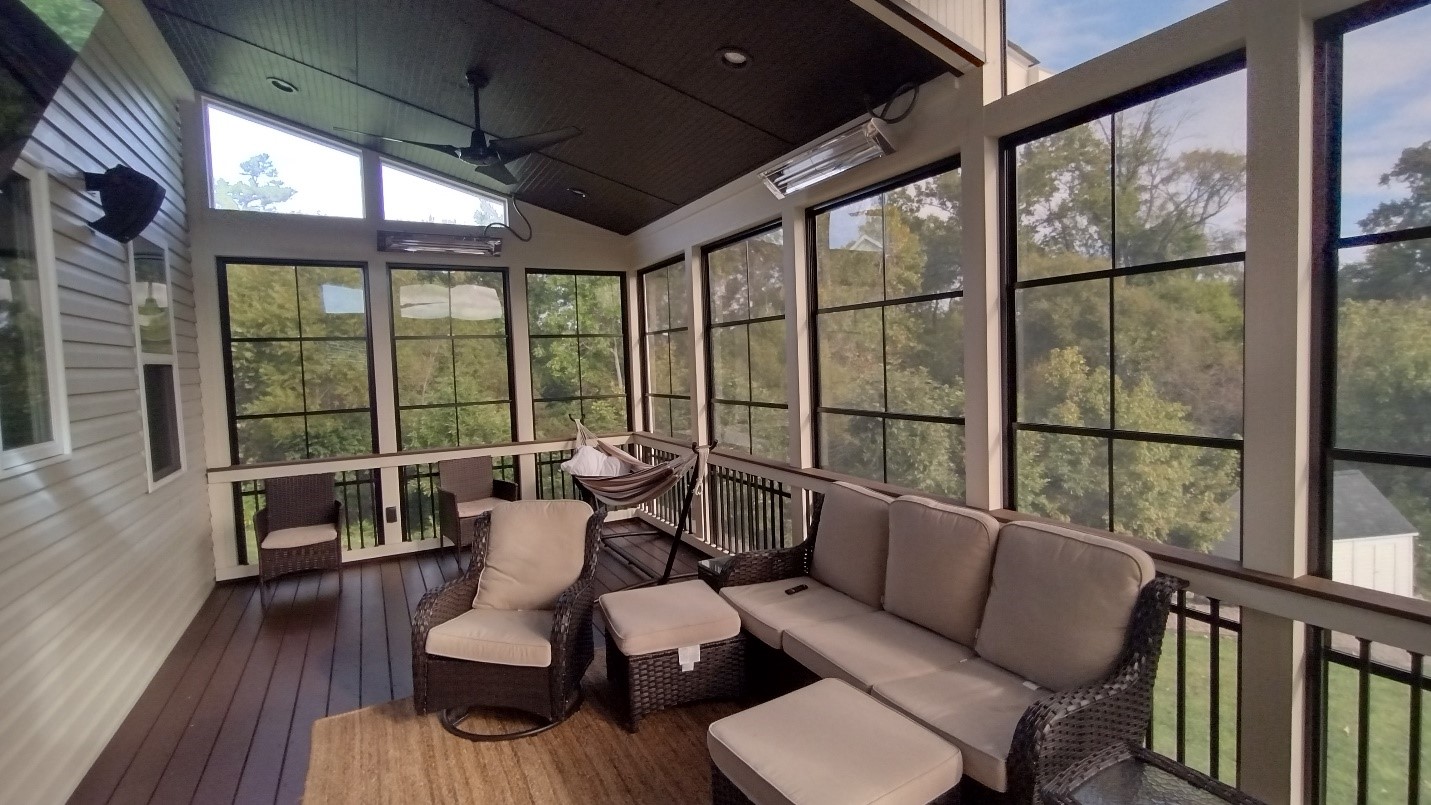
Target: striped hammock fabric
column 644, row 483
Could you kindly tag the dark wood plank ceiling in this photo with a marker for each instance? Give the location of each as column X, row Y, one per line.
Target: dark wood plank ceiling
column 664, row 122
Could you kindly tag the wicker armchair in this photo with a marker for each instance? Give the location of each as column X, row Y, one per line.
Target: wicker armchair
column 299, row 527
column 466, row 489
column 551, row 692
column 756, row 567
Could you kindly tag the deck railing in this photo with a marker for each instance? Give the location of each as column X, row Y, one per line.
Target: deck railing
column 1196, row 699
column 420, row 500
column 1374, row 734
column 746, row 512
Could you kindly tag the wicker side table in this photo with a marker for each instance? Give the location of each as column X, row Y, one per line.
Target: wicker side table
column 671, row 645
column 1126, row 773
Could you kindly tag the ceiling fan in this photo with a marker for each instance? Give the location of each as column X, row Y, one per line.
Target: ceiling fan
column 488, row 156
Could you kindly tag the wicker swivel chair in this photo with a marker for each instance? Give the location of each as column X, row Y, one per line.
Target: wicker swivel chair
column 298, row 527
column 466, row 489
column 514, row 632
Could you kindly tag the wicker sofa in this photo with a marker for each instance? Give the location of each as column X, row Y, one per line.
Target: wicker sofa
column 1026, row 645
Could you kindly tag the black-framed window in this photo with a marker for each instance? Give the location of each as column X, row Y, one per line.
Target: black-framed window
column 157, row 358
column 577, row 324
column 666, row 349
column 452, row 376
column 1125, row 230
column 888, row 333
column 298, row 360
column 745, row 343
column 1375, row 275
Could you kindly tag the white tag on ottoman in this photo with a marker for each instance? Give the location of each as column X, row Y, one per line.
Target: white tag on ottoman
column 688, row 656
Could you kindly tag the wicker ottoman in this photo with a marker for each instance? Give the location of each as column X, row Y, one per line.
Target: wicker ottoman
column 671, row 645
column 829, row 744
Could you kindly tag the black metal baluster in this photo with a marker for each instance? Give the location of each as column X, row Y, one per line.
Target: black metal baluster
column 1182, row 678
column 1214, row 692
column 1413, row 746
column 1363, row 719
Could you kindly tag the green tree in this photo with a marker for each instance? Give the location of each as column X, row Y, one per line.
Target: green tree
column 260, row 188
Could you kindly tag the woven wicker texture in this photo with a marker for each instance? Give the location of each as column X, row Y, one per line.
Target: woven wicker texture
column 461, row 480
column 295, row 502
column 649, row 683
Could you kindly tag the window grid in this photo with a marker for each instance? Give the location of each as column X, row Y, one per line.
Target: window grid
column 671, row 401
column 582, row 338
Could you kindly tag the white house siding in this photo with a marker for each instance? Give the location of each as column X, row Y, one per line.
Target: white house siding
column 98, row 576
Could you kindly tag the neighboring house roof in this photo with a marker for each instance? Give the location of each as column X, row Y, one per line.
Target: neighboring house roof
column 1359, row 510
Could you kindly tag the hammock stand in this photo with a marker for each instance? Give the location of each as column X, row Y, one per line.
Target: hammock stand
column 643, row 484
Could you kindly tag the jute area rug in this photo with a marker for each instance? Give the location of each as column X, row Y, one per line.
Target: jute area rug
column 389, row 754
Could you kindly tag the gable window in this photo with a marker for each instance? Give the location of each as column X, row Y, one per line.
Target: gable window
column 411, row 196
column 576, row 322
column 745, row 284
column 33, row 424
column 259, row 166
column 666, row 351
column 1125, row 294
column 888, row 330
column 158, row 364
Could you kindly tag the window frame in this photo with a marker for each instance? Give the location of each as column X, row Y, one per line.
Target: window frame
column 393, row 339
column 385, row 161
column 143, row 359
column 1214, row 68
column 623, row 334
column 22, row 459
column 921, row 173
column 646, row 394
column 206, row 102
column 226, row 343
column 711, row 324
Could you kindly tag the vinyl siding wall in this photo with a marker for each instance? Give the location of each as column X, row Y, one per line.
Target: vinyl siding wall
column 99, row 576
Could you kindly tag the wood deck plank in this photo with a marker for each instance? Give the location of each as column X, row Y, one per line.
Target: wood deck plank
column 377, row 684
column 312, row 702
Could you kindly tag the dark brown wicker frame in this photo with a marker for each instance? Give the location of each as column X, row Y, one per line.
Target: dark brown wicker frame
column 1055, row 732
column 647, row 683
column 552, row 694
column 725, row 792
column 1061, row 789
column 294, row 502
column 461, row 480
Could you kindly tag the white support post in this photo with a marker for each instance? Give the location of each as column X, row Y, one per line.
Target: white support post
column 798, row 378
column 700, row 393
column 521, row 357
column 388, row 480
column 1276, row 458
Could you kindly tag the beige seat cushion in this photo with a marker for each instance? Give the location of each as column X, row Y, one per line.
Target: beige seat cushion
column 852, row 542
column 868, row 649
column 940, row 559
column 976, row 705
column 472, row 508
column 301, row 536
column 501, row 637
column 766, row 611
column 655, row 619
column 829, row 744
column 536, row 551
column 1060, row 603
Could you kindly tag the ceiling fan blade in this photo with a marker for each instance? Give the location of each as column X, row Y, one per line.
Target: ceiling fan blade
column 450, row 150
column 498, row 172
column 512, row 148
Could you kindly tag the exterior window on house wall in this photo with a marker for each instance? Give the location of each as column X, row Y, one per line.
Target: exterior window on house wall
column 158, row 360
column 888, row 323
column 1126, row 292
column 745, row 283
column 666, row 349
column 577, row 326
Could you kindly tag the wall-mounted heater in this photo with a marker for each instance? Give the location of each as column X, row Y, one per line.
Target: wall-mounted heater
column 429, row 243
column 851, row 146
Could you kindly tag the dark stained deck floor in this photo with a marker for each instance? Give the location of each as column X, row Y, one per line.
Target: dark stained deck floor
column 228, row 715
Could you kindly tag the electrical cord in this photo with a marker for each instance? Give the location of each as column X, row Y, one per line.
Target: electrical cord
column 487, row 230
column 882, row 114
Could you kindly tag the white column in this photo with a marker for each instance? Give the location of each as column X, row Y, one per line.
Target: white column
column 520, row 351
column 700, row 394
column 799, row 380
column 384, row 395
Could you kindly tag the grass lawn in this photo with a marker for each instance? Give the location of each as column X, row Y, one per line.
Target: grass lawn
column 1387, row 774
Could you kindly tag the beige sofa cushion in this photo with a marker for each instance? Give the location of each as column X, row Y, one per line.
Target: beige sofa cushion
column 472, row 508
column 300, row 536
column 829, row 743
column 499, row 636
column 652, row 619
column 976, row 705
column 1060, row 603
column 868, row 649
column 852, row 542
column 766, row 611
column 940, row 559
column 537, row 550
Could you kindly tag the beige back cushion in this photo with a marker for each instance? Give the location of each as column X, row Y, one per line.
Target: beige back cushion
column 852, row 542
column 940, row 558
column 1060, row 603
column 536, row 551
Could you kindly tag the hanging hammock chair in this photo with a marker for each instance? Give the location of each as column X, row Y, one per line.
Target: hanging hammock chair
column 616, row 479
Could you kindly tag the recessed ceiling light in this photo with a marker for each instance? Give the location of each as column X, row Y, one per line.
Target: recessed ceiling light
column 281, row 85
column 734, row 58
column 577, row 191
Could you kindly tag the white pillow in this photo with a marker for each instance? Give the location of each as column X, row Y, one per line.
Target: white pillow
column 591, row 462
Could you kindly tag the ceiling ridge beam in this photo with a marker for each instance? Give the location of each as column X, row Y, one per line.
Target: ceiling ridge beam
column 467, row 125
